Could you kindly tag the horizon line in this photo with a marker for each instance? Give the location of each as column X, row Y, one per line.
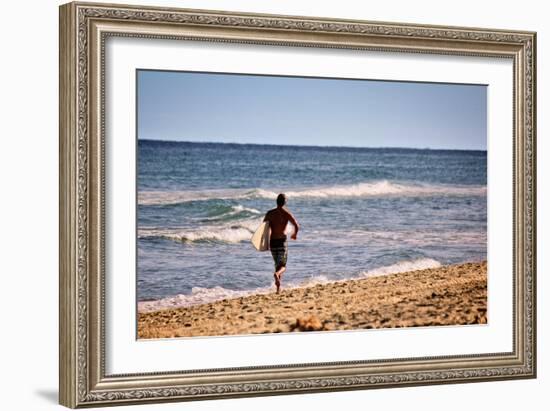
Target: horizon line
column 309, row 145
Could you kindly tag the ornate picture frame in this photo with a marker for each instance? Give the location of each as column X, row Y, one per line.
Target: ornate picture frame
column 84, row 28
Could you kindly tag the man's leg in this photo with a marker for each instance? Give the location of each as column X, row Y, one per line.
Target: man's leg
column 279, row 256
column 278, row 275
column 277, row 281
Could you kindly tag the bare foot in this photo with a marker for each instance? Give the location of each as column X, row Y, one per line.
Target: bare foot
column 278, row 274
column 277, row 282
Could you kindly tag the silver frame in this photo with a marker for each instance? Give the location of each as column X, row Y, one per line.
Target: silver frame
column 84, row 27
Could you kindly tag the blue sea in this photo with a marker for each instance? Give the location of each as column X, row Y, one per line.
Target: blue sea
column 362, row 212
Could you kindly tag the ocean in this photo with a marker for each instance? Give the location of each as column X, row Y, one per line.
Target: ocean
column 362, row 212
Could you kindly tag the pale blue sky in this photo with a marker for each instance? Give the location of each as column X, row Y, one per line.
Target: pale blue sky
column 207, row 107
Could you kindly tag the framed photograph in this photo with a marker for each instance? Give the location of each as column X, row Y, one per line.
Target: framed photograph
column 261, row 205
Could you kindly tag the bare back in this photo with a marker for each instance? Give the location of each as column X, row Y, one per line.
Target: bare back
column 278, row 219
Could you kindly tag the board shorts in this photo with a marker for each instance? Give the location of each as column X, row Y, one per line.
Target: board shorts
column 279, row 251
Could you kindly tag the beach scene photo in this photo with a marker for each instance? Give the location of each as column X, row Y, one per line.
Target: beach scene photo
column 281, row 204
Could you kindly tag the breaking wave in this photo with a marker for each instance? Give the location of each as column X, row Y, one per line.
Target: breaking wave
column 371, row 189
column 228, row 213
column 234, row 233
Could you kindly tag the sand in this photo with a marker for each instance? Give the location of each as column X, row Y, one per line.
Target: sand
column 448, row 295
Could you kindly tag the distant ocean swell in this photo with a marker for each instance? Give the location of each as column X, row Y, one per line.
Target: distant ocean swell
column 200, row 295
column 370, row 189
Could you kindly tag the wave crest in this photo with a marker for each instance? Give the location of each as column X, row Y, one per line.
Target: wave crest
column 232, row 213
column 235, row 233
column 370, row 189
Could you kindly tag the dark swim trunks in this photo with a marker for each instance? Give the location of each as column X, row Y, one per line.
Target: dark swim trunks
column 279, row 251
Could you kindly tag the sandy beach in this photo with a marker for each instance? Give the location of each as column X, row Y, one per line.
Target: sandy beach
column 447, row 295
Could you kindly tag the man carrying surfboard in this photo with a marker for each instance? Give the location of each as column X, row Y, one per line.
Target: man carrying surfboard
column 278, row 219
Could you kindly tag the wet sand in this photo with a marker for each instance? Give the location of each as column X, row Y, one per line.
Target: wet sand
column 449, row 295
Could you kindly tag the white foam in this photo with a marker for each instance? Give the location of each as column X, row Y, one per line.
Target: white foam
column 228, row 233
column 312, row 281
column 201, row 295
column 386, row 188
column 403, row 267
column 177, row 197
column 239, row 208
column 371, row 189
column 198, row 296
column 235, row 211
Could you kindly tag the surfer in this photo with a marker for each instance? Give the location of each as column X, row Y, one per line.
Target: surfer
column 278, row 219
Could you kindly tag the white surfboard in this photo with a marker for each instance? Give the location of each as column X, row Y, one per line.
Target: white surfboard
column 260, row 239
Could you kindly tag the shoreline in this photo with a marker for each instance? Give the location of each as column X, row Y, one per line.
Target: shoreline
column 446, row 295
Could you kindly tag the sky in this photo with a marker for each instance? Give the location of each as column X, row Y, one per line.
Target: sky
column 228, row 108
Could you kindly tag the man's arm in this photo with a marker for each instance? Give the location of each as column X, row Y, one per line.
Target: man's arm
column 295, row 224
column 266, row 219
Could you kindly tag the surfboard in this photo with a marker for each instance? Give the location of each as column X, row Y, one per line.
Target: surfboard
column 260, row 238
